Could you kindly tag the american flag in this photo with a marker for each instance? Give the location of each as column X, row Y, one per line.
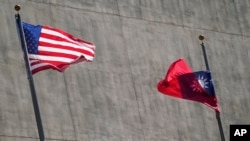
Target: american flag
column 52, row 48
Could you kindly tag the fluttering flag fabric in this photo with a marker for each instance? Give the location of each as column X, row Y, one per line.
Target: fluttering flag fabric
column 52, row 48
column 181, row 82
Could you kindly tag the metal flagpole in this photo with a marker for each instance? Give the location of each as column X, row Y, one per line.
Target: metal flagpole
column 29, row 74
column 207, row 67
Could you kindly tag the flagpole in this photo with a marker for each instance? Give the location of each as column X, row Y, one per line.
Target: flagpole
column 29, row 74
column 201, row 37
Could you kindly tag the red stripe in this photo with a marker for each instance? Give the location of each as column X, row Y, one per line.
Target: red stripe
column 57, row 54
column 57, row 38
column 67, row 34
column 41, row 68
column 81, row 50
column 54, row 63
column 34, row 63
column 57, row 65
column 59, row 68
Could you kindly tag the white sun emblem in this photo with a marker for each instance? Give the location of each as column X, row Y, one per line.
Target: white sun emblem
column 203, row 81
column 202, row 84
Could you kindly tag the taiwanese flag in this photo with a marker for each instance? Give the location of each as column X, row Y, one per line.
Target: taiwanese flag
column 181, row 82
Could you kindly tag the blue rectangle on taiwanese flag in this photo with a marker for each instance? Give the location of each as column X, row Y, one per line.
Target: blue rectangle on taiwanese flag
column 239, row 132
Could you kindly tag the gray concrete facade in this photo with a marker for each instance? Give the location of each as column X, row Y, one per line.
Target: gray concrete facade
column 115, row 98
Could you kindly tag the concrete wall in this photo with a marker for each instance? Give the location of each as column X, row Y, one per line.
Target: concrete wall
column 114, row 98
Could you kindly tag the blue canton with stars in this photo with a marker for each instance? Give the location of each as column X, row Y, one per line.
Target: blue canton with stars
column 206, row 77
column 32, row 34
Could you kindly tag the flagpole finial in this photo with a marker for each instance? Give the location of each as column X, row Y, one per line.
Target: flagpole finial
column 201, row 37
column 17, row 8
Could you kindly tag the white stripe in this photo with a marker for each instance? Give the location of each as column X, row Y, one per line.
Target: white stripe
column 89, row 58
column 65, row 44
column 76, row 53
column 32, row 61
column 87, row 45
column 58, row 50
column 55, row 33
column 51, row 58
column 39, row 65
